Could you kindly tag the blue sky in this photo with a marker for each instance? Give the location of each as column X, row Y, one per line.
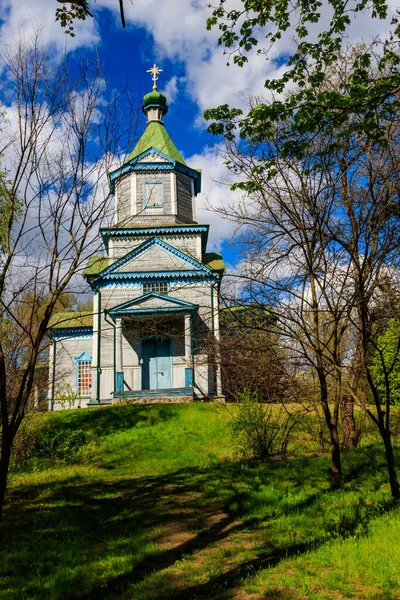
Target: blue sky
column 195, row 76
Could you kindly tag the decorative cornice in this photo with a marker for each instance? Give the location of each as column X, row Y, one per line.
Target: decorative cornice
column 126, row 283
column 59, row 333
column 126, row 279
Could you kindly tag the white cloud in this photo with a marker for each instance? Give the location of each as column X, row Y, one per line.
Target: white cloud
column 215, row 195
column 27, row 16
column 170, row 90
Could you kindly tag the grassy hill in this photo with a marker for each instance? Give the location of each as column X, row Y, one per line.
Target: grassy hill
column 159, row 508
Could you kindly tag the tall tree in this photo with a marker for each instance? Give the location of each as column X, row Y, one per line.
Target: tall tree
column 325, row 231
column 59, row 138
column 289, row 266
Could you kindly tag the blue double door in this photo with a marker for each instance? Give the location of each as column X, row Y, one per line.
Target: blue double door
column 156, row 364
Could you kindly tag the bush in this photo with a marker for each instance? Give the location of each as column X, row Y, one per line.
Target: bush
column 27, row 440
column 387, row 357
column 261, row 430
column 64, row 445
column 35, row 438
column 65, row 396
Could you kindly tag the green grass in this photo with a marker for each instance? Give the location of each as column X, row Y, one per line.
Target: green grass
column 160, row 509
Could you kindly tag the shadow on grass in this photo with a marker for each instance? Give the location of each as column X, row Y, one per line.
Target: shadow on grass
column 98, row 539
column 106, row 420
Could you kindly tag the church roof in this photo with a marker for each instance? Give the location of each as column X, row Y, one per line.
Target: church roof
column 156, row 136
column 63, row 320
column 214, row 261
column 95, row 265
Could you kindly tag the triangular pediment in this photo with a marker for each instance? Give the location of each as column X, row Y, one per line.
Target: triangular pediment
column 152, row 302
column 154, row 255
column 153, row 155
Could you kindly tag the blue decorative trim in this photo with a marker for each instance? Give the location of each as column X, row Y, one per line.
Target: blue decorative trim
column 71, row 332
column 150, row 151
column 178, row 277
column 145, row 206
column 135, row 165
column 150, row 311
column 84, row 356
column 163, row 107
column 160, row 229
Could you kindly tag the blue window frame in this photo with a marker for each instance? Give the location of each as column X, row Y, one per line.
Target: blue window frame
column 153, row 197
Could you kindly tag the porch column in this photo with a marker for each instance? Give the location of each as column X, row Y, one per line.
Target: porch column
column 119, row 369
column 188, row 352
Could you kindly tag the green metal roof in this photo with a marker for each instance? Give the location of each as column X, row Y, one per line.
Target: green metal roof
column 62, row 320
column 95, row 265
column 156, row 136
column 214, row 261
column 155, row 97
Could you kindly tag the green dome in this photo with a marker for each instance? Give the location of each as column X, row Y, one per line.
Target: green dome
column 155, row 97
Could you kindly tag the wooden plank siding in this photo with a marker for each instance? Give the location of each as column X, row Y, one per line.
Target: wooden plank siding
column 189, row 244
column 184, row 189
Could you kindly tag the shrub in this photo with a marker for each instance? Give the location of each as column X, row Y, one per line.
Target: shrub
column 64, row 445
column 36, row 438
column 27, row 440
column 261, row 430
column 387, row 358
column 65, row 396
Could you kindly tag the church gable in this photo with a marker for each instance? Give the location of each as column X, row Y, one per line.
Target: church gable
column 154, row 255
column 152, row 155
column 154, row 258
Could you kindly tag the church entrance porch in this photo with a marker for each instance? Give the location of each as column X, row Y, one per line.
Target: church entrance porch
column 153, row 359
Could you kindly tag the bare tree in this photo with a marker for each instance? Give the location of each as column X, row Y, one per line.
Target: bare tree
column 252, row 359
column 289, row 267
column 60, row 135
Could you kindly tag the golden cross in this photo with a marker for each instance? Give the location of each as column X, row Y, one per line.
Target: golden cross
column 154, row 70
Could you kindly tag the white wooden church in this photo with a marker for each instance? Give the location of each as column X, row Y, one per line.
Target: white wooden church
column 153, row 333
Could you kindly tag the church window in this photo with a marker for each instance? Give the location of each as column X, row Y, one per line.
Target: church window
column 83, row 374
column 160, row 287
column 153, row 197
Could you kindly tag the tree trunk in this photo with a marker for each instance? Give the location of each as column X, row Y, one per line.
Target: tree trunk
column 320, row 430
column 4, row 464
column 331, row 421
column 335, row 451
column 350, row 433
column 394, row 482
